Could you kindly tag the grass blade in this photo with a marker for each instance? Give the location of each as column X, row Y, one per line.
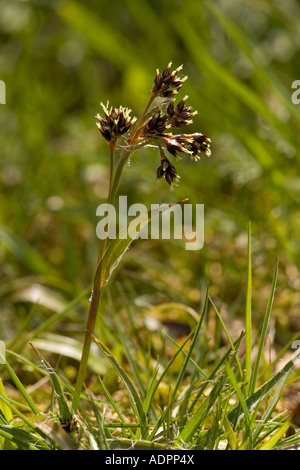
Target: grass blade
column 23, row 439
column 65, row 414
column 262, row 392
column 135, row 399
column 227, row 334
column 248, row 311
column 270, row 444
column 115, row 407
column 21, row 388
column 188, row 356
column 126, row 236
column 241, row 398
column 198, row 418
column 263, row 333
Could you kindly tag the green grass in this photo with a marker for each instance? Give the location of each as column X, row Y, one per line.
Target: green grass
column 192, row 349
column 209, row 403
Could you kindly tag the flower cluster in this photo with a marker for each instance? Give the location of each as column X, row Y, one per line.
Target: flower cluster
column 167, row 84
column 116, row 123
column 155, row 125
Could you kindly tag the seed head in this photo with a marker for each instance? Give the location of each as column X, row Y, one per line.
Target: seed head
column 192, row 144
column 167, row 170
column 198, row 143
column 156, row 125
column 179, row 116
column 116, row 123
column 167, row 83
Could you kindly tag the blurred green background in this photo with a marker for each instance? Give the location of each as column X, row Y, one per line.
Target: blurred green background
column 59, row 59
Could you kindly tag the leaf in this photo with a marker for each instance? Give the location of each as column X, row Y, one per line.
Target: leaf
column 6, row 415
column 65, row 415
column 23, row 439
column 194, row 340
column 118, row 246
column 3, row 407
column 202, row 412
column 270, row 444
column 133, row 395
column 249, row 310
column 256, row 397
column 263, row 332
column 21, row 388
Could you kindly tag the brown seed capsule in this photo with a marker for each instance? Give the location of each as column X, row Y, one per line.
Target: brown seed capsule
column 116, row 123
column 179, row 116
column 175, row 143
column 167, row 84
column 199, row 143
column 192, row 144
column 156, row 124
column 167, row 170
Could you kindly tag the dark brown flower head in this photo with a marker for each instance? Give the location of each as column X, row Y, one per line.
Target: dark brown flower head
column 167, row 83
column 116, row 123
column 167, row 170
column 175, row 143
column 156, row 124
column 192, row 144
column 179, row 116
column 198, row 143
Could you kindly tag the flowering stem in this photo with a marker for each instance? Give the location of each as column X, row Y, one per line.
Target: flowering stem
column 95, row 297
column 114, row 181
column 112, row 146
column 137, row 125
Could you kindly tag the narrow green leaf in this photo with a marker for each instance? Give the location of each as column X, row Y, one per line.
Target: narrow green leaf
column 232, row 439
column 249, row 311
column 22, row 438
column 188, row 356
column 263, row 333
column 270, row 444
column 150, row 391
column 202, row 412
column 263, row 391
column 227, row 334
column 20, row 387
column 241, row 398
column 6, row 412
column 120, row 245
column 3, row 406
column 135, row 399
column 115, row 407
column 65, row 415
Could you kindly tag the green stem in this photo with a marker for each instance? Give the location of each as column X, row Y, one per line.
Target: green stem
column 94, row 301
column 97, row 287
column 137, row 125
column 114, row 181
